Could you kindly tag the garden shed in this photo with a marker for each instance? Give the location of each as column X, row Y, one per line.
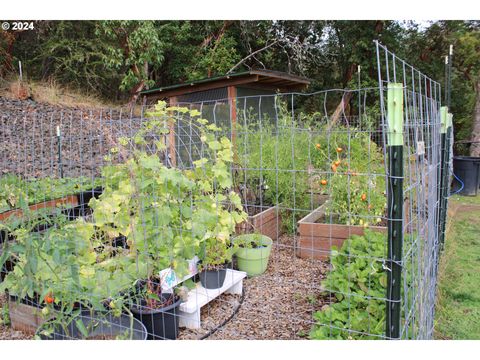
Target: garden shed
column 221, row 99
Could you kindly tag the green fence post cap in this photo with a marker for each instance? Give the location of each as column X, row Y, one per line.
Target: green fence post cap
column 443, row 119
column 395, row 114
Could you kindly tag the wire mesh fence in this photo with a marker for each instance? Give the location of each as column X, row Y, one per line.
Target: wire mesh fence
column 280, row 216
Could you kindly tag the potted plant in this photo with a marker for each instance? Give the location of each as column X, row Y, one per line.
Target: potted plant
column 252, row 253
column 215, row 258
column 156, row 309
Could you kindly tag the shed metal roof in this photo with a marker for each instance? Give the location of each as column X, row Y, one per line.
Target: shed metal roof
column 262, row 79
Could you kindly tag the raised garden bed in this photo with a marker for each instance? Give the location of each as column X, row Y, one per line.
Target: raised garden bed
column 74, row 202
column 268, row 221
column 316, row 237
column 24, row 316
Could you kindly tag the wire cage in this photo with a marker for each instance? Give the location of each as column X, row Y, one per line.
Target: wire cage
column 269, row 216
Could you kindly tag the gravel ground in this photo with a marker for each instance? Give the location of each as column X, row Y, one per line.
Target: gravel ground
column 277, row 305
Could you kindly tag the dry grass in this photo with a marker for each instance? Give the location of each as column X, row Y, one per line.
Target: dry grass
column 51, row 93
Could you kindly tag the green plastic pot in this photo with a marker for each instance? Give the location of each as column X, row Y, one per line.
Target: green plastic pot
column 253, row 261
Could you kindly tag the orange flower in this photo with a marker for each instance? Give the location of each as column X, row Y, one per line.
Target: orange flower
column 337, row 163
column 339, row 149
column 334, row 168
column 364, row 197
column 323, row 182
column 318, row 146
column 49, row 299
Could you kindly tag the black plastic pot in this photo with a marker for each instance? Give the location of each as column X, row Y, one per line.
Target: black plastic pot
column 85, row 196
column 213, row 279
column 120, row 242
column 76, row 212
column 467, row 169
column 162, row 323
column 100, row 327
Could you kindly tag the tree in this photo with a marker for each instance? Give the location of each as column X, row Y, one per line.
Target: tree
column 133, row 46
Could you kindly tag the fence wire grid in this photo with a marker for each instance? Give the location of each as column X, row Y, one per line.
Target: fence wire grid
column 255, row 217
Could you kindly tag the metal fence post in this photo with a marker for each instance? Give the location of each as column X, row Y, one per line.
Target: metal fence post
column 442, row 180
column 59, row 151
column 446, row 173
column 395, row 207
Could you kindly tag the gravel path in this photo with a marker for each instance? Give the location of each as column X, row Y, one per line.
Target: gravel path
column 277, row 305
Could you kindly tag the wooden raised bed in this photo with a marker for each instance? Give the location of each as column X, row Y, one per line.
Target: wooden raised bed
column 25, row 318
column 67, row 200
column 316, row 239
column 268, row 223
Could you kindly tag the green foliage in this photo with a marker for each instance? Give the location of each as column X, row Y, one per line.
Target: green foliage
column 357, row 185
column 167, row 215
column 16, row 192
column 131, row 45
column 293, row 161
column 216, row 59
column 358, row 283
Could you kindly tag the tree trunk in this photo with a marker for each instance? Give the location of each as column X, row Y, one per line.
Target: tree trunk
column 475, row 147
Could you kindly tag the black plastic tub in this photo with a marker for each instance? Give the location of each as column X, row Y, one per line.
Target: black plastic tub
column 161, row 323
column 213, row 279
column 99, row 327
column 85, row 196
column 467, row 169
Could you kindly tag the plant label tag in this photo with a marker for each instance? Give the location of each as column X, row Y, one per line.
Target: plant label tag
column 170, row 279
column 420, row 148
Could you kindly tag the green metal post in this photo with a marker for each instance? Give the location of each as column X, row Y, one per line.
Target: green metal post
column 395, row 208
column 446, row 176
column 442, row 179
column 59, row 149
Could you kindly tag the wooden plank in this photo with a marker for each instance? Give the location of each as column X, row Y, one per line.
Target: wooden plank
column 316, row 239
column 25, row 317
column 335, row 230
column 267, row 222
column 67, row 200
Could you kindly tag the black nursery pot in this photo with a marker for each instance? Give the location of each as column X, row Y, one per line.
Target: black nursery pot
column 213, row 279
column 103, row 327
column 85, row 196
column 162, row 323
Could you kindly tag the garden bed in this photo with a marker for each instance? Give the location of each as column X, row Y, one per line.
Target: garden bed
column 317, row 237
column 267, row 222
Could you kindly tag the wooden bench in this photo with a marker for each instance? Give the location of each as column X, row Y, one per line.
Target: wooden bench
column 198, row 297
